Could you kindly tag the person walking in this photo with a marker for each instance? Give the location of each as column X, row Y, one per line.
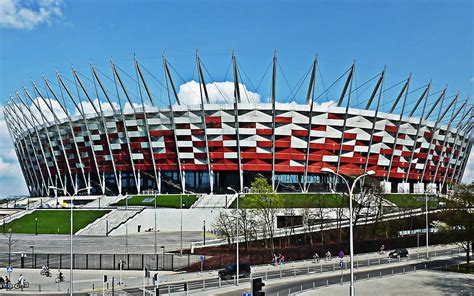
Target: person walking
column 21, row 280
column 315, row 257
column 328, row 256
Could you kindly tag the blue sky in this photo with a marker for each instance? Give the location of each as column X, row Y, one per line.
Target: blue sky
column 431, row 39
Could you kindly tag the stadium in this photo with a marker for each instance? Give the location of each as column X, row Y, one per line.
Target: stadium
column 91, row 131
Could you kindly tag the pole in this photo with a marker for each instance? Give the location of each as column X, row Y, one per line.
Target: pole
column 72, row 258
column 204, row 232
column 126, row 225
column 181, row 225
column 71, row 230
column 36, row 225
column 351, row 231
column 427, row 223
column 237, row 251
column 351, row 238
column 154, row 229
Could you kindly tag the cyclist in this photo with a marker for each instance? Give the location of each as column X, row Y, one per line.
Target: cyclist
column 21, row 280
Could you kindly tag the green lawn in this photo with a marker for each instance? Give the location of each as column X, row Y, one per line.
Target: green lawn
column 301, row 200
column 411, row 200
column 53, row 221
column 162, row 201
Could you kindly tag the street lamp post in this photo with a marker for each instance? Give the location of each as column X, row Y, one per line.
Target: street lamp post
column 154, row 228
column 237, row 226
column 427, row 221
column 36, row 225
column 71, row 229
column 181, row 225
column 351, row 234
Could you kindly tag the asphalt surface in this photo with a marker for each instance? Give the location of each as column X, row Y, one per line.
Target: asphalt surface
column 137, row 243
column 288, row 288
column 284, row 289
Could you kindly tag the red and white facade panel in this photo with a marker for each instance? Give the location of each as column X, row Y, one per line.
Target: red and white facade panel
column 207, row 138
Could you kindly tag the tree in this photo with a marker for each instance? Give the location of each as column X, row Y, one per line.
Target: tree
column 266, row 205
column 460, row 220
column 247, row 226
column 225, row 226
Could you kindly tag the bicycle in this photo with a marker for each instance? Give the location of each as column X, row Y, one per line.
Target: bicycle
column 46, row 273
column 25, row 285
column 60, row 278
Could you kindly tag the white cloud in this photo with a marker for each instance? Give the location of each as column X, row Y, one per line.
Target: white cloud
column 26, row 15
column 11, row 177
column 219, row 92
column 468, row 176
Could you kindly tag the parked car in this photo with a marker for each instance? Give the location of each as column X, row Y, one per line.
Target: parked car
column 398, row 253
column 231, row 270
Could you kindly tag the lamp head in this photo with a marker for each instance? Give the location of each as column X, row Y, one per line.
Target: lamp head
column 327, row 170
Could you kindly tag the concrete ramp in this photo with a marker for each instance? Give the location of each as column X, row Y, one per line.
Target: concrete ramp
column 213, row 201
column 103, row 201
column 109, row 222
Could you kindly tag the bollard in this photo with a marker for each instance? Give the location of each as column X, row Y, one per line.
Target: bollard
column 203, row 285
column 321, row 268
column 280, row 273
column 169, row 290
column 341, row 280
column 388, row 259
column 414, row 268
column 289, row 291
column 333, row 267
column 39, row 288
column 368, row 262
column 313, row 285
column 93, row 287
column 403, row 270
column 327, row 283
column 294, row 272
column 425, row 266
column 308, row 270
column 266, row 275
column 301, row 288
column 220, row 281
column 392, row 271
column 379, row 261
column 368, row 275
column 380, row 274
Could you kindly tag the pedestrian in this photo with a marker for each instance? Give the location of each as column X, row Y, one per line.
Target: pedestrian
column 382, row 249
column 282, row 260
column 315, row 257
column 21, row 280
column 328, row 256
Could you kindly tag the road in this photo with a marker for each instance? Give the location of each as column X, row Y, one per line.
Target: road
column 366, row 261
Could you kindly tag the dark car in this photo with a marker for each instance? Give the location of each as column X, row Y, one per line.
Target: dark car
column 231, row 270
column 398, row 253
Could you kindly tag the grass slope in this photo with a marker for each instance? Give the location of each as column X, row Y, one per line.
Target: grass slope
column 301, row 200
column 162, row 201
column 412, row 200
column 53, row 221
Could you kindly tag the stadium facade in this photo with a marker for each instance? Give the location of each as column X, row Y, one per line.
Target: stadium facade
column 208, row 147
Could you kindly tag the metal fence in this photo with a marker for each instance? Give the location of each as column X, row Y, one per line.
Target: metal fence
column 99, row 261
